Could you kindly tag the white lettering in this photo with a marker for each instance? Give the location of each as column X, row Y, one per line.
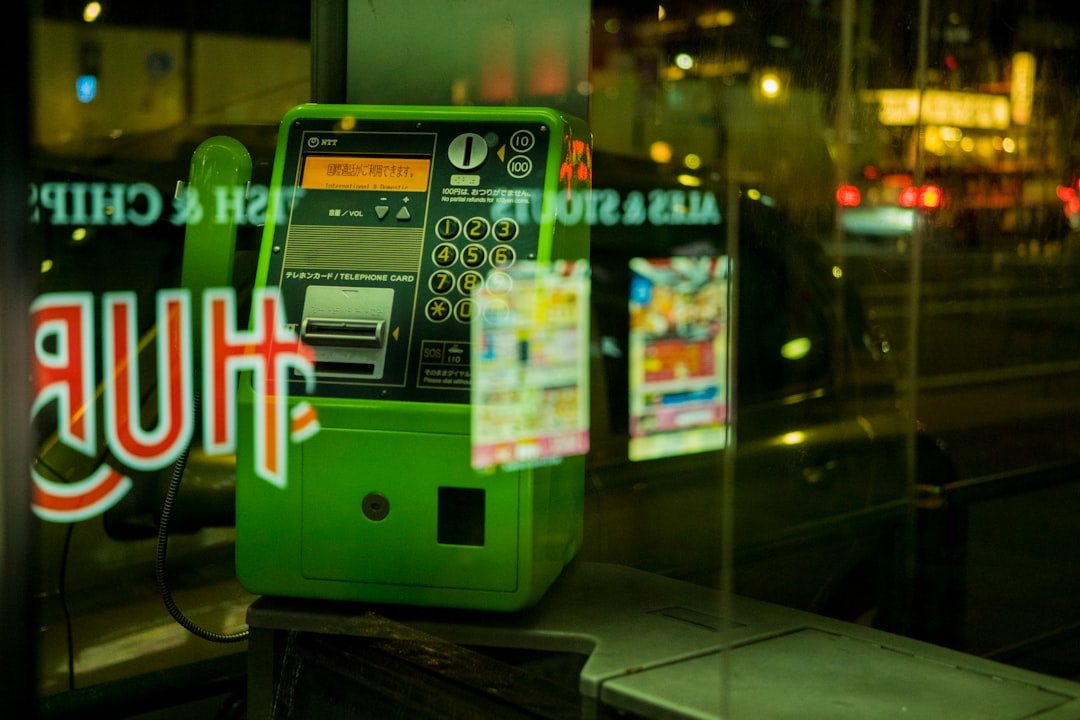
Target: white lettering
column 101, row 211
column 141, row 204
column 53, row 197
column 226, row 199
column 658, row 203
column 153, row 204
column 608, row 212
column 78, row 204
column 258, row 195
column 35, row 213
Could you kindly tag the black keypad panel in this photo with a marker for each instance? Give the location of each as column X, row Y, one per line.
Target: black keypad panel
column 401, row 221
column 473, row 251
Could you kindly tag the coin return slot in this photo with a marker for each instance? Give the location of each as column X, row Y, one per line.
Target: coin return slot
column 344, row 370
column 461, row 516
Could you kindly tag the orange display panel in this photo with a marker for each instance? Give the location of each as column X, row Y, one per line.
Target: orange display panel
column 352, row 172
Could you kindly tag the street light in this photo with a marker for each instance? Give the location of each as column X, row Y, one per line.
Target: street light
column 771, row 85
column 91, row 12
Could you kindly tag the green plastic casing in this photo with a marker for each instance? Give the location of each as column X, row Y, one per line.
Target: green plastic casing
column 453, row 536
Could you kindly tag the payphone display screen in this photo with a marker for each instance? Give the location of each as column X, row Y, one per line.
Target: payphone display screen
column 379, row 173
column 387, row 228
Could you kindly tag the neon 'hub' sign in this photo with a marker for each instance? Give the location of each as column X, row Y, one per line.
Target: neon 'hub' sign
column 64, row 368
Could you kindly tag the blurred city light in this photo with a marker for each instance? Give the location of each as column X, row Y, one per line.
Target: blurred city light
column 91, row 12
column 660, row 152
column 1069, row 197
column 684, row 61
column 930, row 197
column 720, row 18
column 909, row 197
column 951, row 134
column 795, row 349
column 927, row 197
column 848, row 196
column 770, row 85
column 86, row 88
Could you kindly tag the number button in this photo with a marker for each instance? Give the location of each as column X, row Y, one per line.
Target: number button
column 463, row 310
column 441, row 282
column 499, row 283
column 502, row 257
column 437, row 309
column 476, row 229
column 473, row 256
column 470, row 281
column 496, row 311
column 444, row 254
column 448, row 228
column 505, row 229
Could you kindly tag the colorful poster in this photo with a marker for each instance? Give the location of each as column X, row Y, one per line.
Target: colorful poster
column 530, row 376
column 678, row 356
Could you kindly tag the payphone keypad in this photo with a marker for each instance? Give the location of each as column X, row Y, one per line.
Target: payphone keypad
column 473, row 254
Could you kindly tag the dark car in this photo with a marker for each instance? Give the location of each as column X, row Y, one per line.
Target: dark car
column 818, row 491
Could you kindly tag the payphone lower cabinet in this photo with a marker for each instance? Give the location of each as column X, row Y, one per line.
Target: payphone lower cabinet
column 373, row 520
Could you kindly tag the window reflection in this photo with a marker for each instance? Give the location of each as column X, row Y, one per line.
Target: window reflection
column 895, row 204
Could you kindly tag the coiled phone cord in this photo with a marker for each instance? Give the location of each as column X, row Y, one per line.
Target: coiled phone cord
column 163, row 549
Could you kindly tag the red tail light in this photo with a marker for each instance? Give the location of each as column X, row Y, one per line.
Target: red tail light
column 930, row 197
column 848, row 196
column 927, row 197
column 909, row 196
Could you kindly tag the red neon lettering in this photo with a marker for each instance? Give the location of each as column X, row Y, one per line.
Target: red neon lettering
column 269, row 351
column 65, row 373
column 134, row 446
column 70, row 502
column 224, row 355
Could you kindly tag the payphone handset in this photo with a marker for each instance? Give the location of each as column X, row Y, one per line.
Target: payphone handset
column 383, row 224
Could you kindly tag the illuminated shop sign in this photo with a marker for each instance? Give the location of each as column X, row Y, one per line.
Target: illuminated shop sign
column 941, row 107
column 142, row 204
column 1022, row 89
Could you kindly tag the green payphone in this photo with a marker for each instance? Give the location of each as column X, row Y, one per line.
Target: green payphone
column 383, row 223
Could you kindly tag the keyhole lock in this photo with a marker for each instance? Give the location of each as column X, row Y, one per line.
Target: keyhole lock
column 375, row 506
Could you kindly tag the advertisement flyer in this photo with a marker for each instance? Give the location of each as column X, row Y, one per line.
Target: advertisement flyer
column 678, row 356
column 530, row 374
